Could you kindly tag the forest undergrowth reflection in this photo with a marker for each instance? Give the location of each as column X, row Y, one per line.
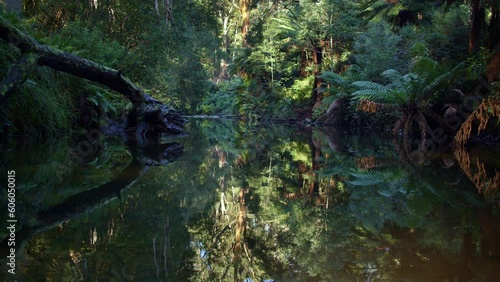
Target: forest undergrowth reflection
column 265, row 203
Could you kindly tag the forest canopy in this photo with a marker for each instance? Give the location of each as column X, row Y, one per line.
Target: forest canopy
column 326, row 61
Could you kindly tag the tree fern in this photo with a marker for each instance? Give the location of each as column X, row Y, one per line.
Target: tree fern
column 380, row 9
column 392, row 74
column 370, row 177
column 372, row 95
column 334, row 78
column 369, row 85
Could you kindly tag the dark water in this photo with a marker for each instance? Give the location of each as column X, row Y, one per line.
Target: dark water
column 266, row 203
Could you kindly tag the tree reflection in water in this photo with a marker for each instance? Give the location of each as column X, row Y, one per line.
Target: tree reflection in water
column 266, row 203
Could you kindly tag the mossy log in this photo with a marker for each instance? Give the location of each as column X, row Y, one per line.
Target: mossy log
column 36, row 54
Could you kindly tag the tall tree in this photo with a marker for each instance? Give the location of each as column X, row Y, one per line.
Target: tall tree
column 245, row 20
column 478, row 16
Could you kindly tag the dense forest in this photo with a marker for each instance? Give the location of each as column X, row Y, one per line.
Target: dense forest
column 409, row 66
column 327, row 140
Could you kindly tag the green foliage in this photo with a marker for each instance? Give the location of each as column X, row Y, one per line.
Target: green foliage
column 301, row 89
column 378, row 49
column 42, row 108
column 87, row 43
column 223, row 100
column 176, row 62
column 379, row 10
column 267, row 105
column 447, row 37
column 425, row 81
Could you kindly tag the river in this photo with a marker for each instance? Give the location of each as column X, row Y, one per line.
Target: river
column 232, row 202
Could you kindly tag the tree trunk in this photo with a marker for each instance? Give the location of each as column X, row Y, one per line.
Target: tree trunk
column 493, row 68
column 150, row 110
column 478, row 16
column 223, row 75
column 245, row 20
column 494, row 27
column 318, row 60
column 303, row 63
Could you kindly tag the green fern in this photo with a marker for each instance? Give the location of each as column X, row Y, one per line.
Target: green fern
column 426, row 79
column 370, row 177
column 369, row 85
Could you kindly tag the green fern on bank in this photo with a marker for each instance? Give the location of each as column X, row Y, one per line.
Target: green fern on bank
column 410, row 93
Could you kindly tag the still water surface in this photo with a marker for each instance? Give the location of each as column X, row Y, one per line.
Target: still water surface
column 238, row 203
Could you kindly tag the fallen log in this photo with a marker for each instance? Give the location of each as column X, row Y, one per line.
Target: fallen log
column 35, row 54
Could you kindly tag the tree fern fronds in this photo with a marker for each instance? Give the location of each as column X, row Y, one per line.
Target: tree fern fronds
column 376, row 6
column 369, row 85
column 419, row 50
column 370, row 177
column 441, row 79
column 401, row 97
column 422, row 66
column 333, row 78
column 372, row 95
column 392, row 74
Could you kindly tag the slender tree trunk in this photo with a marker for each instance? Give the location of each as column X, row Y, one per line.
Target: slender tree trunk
column 245, row 20
column 317, row 60
column 223, row 75
column 478, row 16
column 316, row 155
column 303, row 63
column 168, row 10
column 494, row 27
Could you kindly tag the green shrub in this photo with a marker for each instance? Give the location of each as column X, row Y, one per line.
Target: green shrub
column 377, row 50
column 87, row 43
column 222, row 101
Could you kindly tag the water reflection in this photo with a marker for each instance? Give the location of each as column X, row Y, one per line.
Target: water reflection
column 257, row 204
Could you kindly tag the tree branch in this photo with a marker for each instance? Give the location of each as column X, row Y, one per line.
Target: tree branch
column 149, row 118
column 69, row 63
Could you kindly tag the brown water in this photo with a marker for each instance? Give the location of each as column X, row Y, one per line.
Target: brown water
column 267, row 203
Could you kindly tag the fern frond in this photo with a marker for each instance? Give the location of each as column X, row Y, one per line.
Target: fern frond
column 333, row 78
column 440, row 80
column 370, row 177
column 369, row 85
column 424, row 66
column 401, row 97
column 369, row 94
column 392, row 74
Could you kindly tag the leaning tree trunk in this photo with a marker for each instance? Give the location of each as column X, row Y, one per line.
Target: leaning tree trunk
column 159, row 117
